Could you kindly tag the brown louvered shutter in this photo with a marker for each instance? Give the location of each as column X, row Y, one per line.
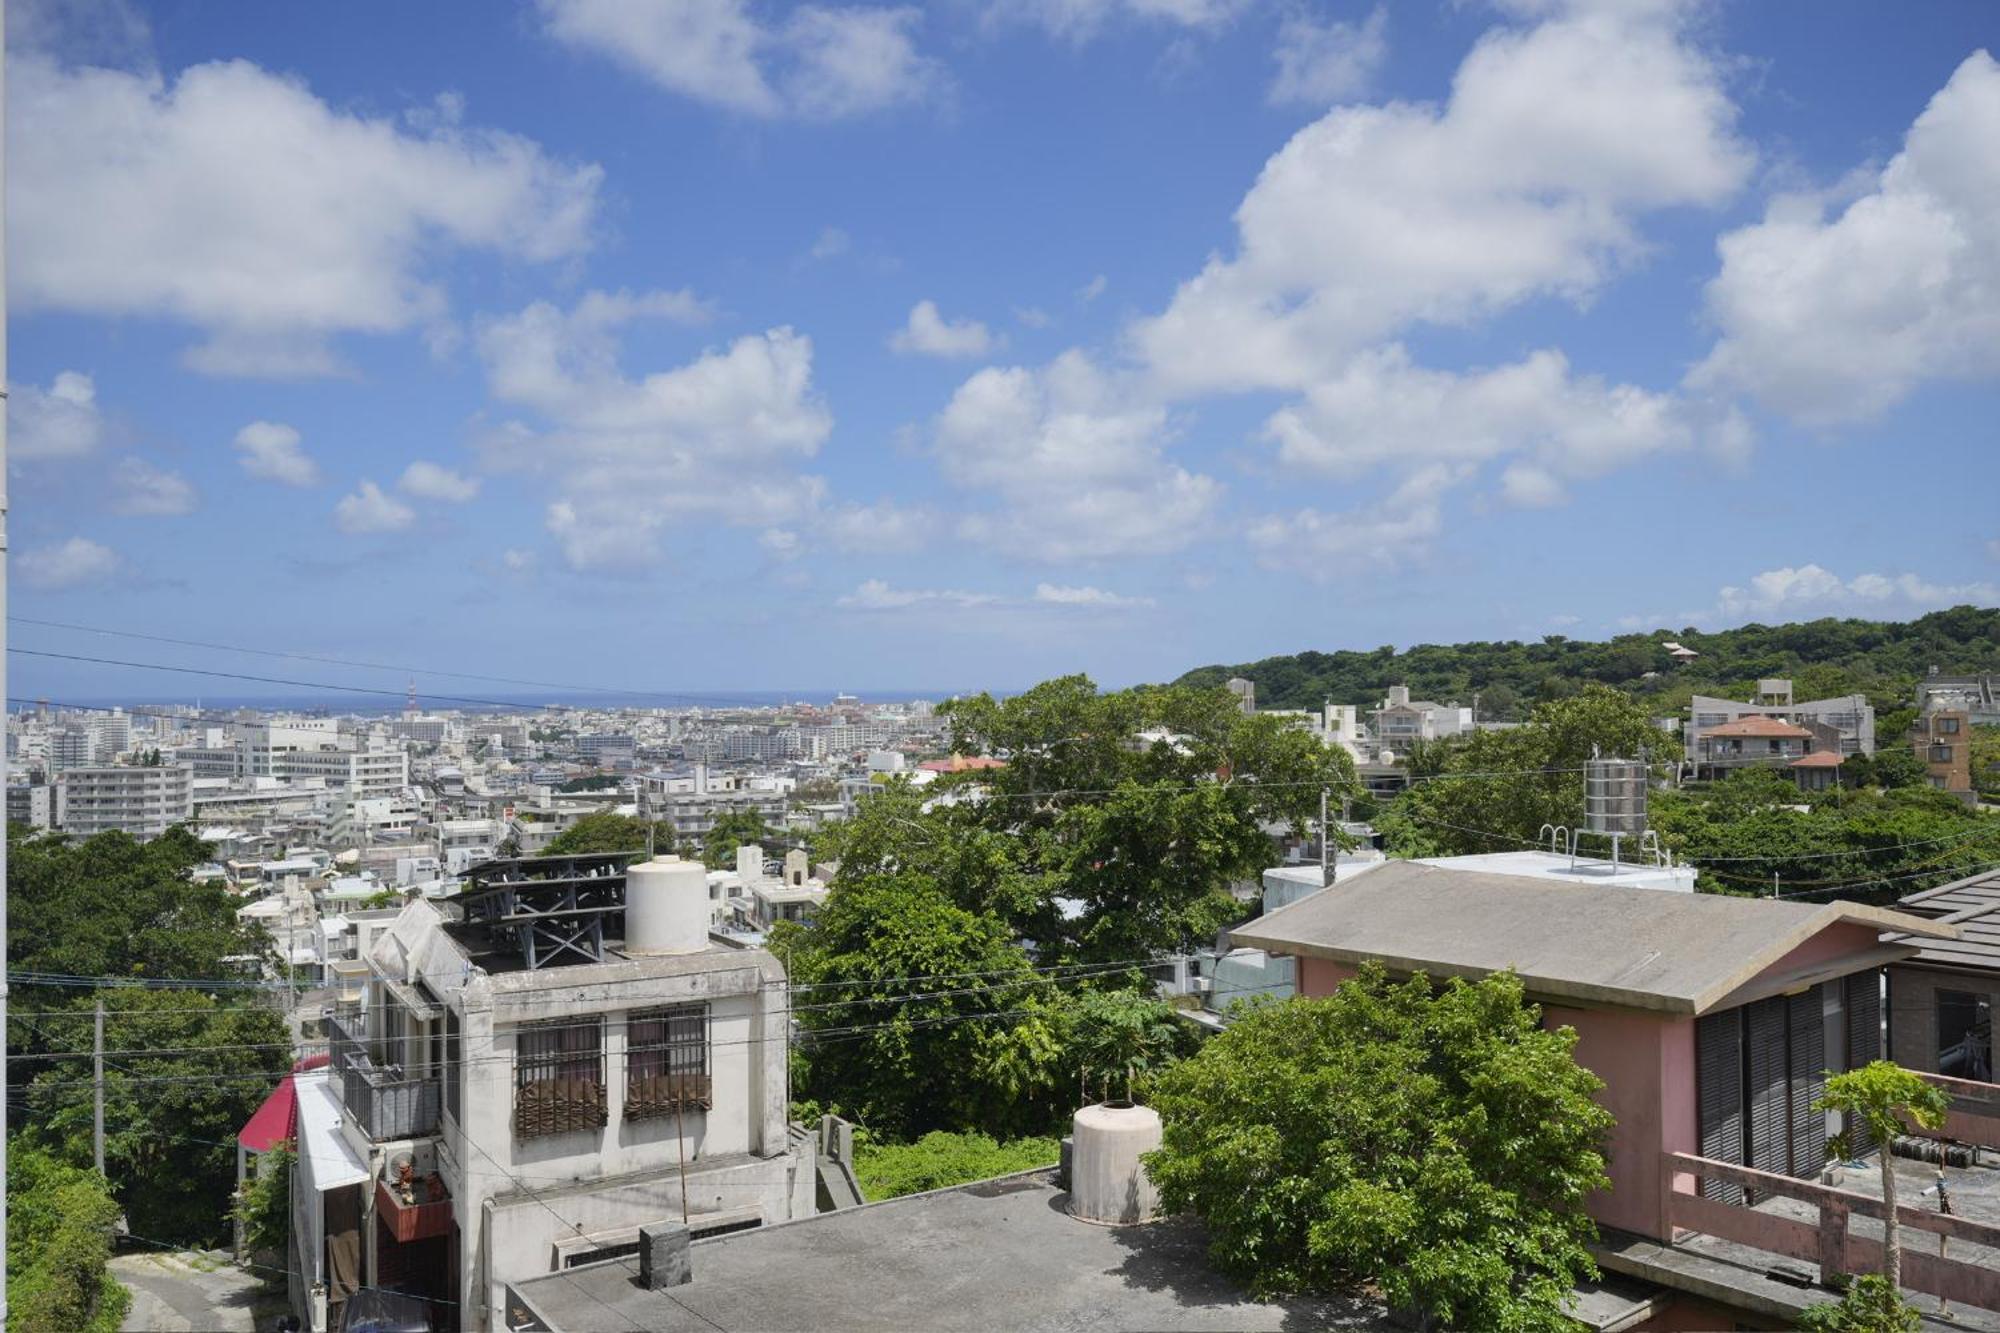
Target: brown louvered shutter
column 1864, row 1042
column 1768, row 1095
column 1808, row 1080
column 1718, row 1040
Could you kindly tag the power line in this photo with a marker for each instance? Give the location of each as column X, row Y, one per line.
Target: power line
column 280, row 680
column 718, row 700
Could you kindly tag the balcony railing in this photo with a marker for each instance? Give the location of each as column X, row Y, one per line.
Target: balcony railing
column 1830, row 1243
column 1974, row 1114
column 385, row 1101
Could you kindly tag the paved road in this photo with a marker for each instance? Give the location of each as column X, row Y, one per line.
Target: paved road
column 193, row 1292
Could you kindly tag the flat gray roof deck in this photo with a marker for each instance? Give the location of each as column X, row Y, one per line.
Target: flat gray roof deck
column 1000, row 1254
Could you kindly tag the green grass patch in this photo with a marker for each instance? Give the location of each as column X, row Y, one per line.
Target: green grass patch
column 941, row 1159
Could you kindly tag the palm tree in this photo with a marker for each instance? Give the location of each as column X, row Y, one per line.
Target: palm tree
column 1881, row 1096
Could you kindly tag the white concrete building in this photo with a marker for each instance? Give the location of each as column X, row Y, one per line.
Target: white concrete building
column 498, row 1122
column 142, row 801
column 1401, row 720
column 363, row 774
column 33, row 805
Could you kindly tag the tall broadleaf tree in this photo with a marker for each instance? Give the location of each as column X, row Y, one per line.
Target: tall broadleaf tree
column 1434, row 1144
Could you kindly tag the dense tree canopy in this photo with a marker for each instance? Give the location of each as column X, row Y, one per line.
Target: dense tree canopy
column 730, row 831
column 112, row 907
column 1823, row 657
column 1494, row 790
column 918, row 1014
column 1115, row 827
column 1435, row 1145
column 608, row 831
column 59, row 1220
column 1753, row 831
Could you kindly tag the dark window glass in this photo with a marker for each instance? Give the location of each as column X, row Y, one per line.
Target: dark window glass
column 452, row 1071
column 1965, row 1035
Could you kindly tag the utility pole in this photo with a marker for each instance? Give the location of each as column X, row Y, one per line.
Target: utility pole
column 3, row 676
column 1326, row 861
column 97, row 1086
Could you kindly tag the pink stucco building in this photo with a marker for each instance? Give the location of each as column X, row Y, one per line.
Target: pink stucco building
column 1711, row 1020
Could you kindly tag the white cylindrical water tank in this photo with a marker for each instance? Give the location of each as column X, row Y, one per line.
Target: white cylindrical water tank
column 1108, row 1182
column 666, row 906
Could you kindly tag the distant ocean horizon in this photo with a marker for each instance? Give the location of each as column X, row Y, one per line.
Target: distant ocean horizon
column 472, row 701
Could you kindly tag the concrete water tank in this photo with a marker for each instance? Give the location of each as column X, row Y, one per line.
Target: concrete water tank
column 1108, row 1182
column 666, row 906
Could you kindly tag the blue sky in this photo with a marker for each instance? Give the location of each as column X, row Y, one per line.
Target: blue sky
column 720, row 345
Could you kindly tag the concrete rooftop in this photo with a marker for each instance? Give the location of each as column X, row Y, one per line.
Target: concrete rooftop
column 1000, row 1254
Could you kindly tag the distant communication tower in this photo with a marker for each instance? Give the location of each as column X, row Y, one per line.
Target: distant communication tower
column 410, row 703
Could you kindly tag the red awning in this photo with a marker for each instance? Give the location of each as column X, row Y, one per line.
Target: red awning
column 275, row 1121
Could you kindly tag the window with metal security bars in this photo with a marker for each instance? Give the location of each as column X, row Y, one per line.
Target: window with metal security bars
column 666, row 1062
column 559, row 1077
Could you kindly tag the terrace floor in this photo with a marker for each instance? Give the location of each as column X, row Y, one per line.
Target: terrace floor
column 1779, row 1286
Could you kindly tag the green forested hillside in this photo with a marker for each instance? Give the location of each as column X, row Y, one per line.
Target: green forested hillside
column 1880, row 658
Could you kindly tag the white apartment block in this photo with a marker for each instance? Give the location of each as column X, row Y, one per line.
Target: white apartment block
column 110, row 736
column 144, row 802
column 422, row 728
column 70, row 748
column 1401, row 720
column 260, row 743
column 484, row 1120
column 364, row 774
column 33, row 805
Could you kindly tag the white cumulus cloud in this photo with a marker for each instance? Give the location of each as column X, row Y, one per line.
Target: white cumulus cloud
column 61, row 421
column 431, row 481
column 1323, row 61
column 212, row 199
column 819, row 63
column 139, row 488
column 1391, row 532
column 76, row 563
column 372, row 510
column 1833, row 318
column 1528, row 182
column 1058, row 594
column 722, row 437
column 271, row 451
column 929, row 333
column 1810, row 589
column 1080, row 20
column 1381, row 410
column 877, row 595
column 1076, row 468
